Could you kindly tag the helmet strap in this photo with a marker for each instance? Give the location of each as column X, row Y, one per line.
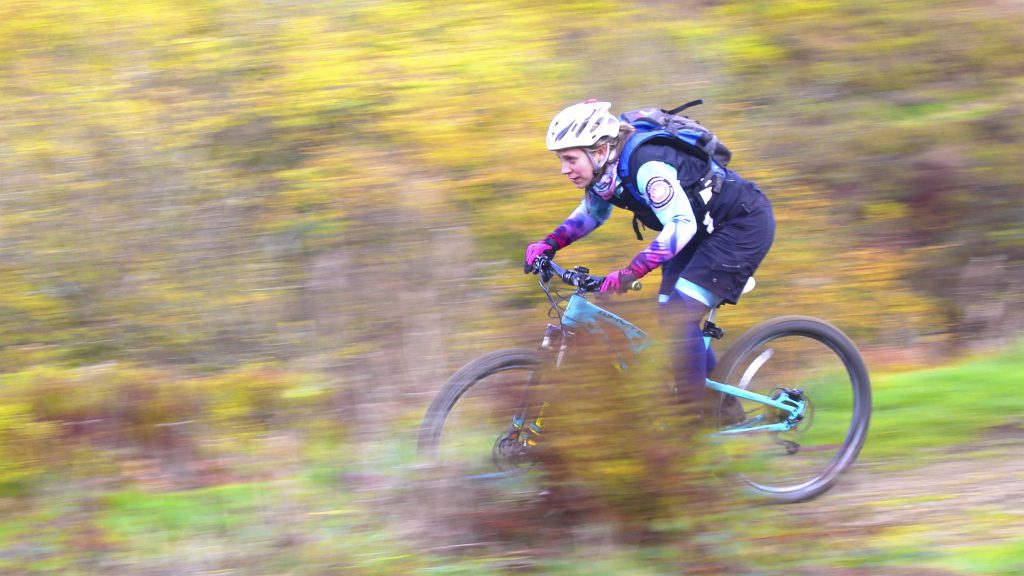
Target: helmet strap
column 593, row 159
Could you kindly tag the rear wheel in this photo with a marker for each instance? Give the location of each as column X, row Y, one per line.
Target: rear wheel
column 811, row 360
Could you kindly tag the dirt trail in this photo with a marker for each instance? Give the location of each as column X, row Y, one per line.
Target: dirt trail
column 969, row 496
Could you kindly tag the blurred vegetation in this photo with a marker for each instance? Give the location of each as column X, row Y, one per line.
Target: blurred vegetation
column 242, row 244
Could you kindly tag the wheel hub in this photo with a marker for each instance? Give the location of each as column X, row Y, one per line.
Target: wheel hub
column 511, row 452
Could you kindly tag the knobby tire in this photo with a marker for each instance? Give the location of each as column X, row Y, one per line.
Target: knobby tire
column 432, row 427
column 798, row 328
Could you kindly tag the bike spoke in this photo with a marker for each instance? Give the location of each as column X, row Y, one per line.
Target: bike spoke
column 800, row 367
column 486, row 433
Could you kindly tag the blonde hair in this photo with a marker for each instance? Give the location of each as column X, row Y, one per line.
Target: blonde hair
column 617, row 143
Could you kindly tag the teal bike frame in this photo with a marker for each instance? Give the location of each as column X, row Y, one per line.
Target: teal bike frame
column 581, row 314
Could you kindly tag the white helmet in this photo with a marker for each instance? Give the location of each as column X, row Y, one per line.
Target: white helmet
column 582, row 125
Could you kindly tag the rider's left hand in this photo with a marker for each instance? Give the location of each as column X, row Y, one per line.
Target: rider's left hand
column 535, row 250
column 618, row 281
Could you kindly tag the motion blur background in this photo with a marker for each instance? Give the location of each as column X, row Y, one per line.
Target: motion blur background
column 243, row 243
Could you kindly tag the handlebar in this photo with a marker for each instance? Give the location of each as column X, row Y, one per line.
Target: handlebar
column 579, row 276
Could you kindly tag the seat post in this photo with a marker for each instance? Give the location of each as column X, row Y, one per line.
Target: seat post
column 710, row 330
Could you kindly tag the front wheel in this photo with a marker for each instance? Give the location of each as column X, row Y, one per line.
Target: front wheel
column 478, row 424
column 815, row 361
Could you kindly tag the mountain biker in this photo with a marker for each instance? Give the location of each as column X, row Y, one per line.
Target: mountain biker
column 710, row 238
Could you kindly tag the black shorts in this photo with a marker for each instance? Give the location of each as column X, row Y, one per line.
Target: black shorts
column 725, row 259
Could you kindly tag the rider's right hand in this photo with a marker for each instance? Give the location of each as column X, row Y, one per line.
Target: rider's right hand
column 618, row 281
column 535, row 250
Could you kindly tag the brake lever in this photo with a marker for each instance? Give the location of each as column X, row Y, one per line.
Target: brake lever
column 593, row 283
column 541, row 267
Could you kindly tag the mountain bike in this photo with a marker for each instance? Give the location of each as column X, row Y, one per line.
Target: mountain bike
column 791, row 409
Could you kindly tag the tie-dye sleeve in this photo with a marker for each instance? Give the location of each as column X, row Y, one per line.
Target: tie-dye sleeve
column 660, row 186
column 591, row 213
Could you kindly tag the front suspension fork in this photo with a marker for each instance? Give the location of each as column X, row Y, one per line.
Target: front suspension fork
column 521, row 431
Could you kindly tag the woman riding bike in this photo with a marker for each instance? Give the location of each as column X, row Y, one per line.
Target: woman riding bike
column 714, row 227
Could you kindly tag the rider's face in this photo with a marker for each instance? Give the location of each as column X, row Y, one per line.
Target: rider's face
column 576, row 166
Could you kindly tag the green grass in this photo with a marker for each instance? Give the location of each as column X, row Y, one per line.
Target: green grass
column 133, row 514
column 947, row 405
column 992, row 559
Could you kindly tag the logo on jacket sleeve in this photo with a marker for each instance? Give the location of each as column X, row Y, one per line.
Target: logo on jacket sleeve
column 660, row 192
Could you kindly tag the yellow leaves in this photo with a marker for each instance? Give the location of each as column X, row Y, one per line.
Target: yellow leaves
column 20, row 296
column 327, row 65
column 802, row 9
column 23, row 442
column 201, row 149
column 750, row 51
column 886, row 211
column 46, row 411
column 438, row 76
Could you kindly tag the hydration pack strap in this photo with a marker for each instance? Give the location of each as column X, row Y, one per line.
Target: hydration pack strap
column 636, row 227
column 716, row 178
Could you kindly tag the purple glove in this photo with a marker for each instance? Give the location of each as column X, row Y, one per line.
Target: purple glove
column 618, row 281
column 533, row 251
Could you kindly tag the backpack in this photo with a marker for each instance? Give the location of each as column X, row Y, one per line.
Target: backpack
column 681, row 131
